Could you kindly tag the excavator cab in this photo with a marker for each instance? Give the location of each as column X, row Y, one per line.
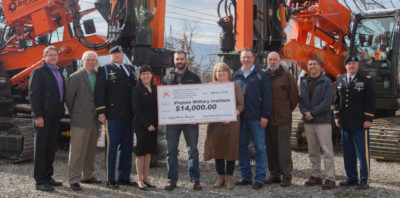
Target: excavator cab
column 375, row 40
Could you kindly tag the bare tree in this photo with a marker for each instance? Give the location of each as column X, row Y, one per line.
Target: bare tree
column 364, row 5
column 185, row 43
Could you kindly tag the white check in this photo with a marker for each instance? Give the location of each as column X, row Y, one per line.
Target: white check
column 196, row 103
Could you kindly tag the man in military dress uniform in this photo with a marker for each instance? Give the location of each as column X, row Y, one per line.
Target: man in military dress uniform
column 112, row 99
column 354, row 112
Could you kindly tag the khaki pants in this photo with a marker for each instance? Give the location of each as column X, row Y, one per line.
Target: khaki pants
column 319, row 137
column 82, row 151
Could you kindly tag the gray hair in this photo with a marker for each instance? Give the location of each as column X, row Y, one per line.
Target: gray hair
column 85, row 54
column 49, row 48
column 276, row 53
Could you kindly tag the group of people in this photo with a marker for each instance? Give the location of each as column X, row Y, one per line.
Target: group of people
column 265, row 100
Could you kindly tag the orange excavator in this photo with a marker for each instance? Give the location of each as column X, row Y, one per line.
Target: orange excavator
column 28, row 26
column 325, row 29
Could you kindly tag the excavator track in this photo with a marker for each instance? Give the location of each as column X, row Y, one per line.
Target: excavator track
column 16, row 139
column 298, row 139
column 385, row 139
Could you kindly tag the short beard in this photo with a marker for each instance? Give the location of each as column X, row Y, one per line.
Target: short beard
column 180, row 68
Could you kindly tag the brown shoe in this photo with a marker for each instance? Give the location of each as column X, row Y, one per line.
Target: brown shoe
column 220, row 181
column 313, row 181
column 272, row 180
column 229, row 182
column 196, row 185
column 286, row 182
column 170, row 186
column 328, row 185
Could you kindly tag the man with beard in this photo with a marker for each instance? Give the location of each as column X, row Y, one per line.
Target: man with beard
column 181, row 75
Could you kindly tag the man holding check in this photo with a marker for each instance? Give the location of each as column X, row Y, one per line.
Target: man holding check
column 181, row 75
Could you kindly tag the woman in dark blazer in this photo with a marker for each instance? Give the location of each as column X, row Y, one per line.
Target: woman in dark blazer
column 144, row 104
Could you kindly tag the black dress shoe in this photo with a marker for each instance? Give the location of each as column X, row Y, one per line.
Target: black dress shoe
column 92, row 180
column 143, row 188
column 44, row 187
column 362, row 186
column 112, row 185
column 149, row 185
column 53, row 182
column 75, row 186
column 243, row 183
column 349, row 183
column 257, row 186
column 127, row 182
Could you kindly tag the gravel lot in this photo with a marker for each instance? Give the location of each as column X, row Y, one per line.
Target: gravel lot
column 16, row 180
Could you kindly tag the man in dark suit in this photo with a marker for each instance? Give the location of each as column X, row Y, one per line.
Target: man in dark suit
column 46, row 95
column 113, row 105
column 79, row 99
column 354, row 112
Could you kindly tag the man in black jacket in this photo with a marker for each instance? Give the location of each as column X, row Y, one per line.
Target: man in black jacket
column 354, row 113
column 46, row 95
column 315, row 104
column 113, row 106
column 181, row 75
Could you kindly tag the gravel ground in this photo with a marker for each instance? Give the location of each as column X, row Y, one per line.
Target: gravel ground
column 16, row 180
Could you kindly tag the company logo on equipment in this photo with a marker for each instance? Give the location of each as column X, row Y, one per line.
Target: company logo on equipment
column 165, row 94
column 16, row 3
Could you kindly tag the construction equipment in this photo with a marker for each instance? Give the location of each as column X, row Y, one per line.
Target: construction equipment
column 322, row 28
column 28, row 26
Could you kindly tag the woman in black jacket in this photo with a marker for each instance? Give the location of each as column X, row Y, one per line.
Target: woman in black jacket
column 144, row 104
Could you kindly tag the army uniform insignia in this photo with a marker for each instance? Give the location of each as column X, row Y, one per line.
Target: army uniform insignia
column 112, row 75
column 359, row 86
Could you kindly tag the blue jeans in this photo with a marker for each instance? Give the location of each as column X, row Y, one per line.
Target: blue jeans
column 356, row 143
column 119, row 141
column 191, row 133
column 253, row 128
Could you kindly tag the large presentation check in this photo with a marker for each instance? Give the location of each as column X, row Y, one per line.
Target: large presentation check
column 197, row 103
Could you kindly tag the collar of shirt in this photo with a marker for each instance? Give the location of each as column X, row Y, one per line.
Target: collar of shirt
column 123, row 67
column 351, row 77
column 52, row 67
column 247, row 73
column 89, row 71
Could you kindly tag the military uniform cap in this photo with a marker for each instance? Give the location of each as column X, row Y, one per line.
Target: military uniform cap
column 116, row 48
column 351, row 58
